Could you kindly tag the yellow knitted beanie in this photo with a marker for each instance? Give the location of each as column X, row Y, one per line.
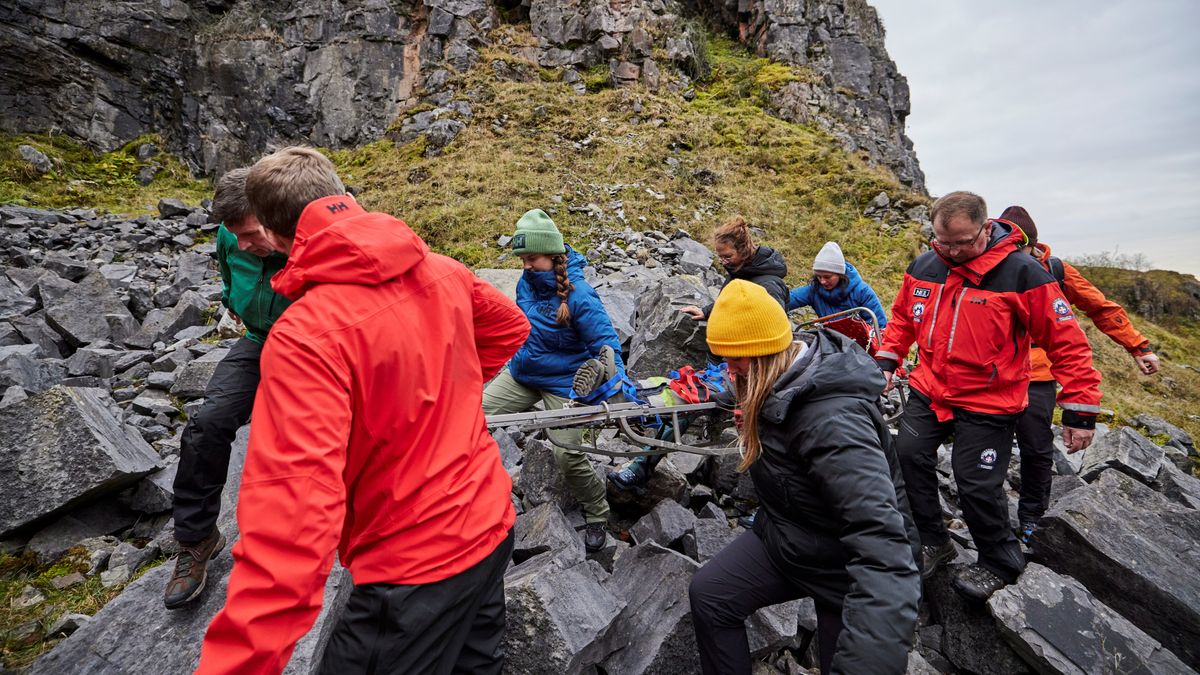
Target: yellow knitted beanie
column 747, row 321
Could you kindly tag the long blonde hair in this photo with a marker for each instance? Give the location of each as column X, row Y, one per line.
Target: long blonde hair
column 752, row 393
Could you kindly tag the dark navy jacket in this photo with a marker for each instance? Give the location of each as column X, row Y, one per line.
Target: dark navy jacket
column 549, row 358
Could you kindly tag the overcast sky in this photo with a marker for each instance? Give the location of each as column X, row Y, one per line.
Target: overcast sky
column 1087, row 113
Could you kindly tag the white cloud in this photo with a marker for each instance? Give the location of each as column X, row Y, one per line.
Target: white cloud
column 1086, row 113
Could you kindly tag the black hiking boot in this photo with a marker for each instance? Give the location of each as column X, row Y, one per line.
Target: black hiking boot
column 933, row 556
column 976, row 582
column 593, row 537
column 191, row 570
column 633, row 478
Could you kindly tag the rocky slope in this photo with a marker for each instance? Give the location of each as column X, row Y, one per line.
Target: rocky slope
column 223, row 80
column 108, row 334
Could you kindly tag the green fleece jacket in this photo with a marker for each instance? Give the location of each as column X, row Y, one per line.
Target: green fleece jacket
column 246, row 285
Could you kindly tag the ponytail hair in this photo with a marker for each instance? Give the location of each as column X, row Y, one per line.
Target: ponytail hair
column 564, row 288
column 736, row 233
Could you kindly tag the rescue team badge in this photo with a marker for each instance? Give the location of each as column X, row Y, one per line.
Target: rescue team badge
column 987, row 459
column 921, row 292
column 918, row 310
column 1062, row 309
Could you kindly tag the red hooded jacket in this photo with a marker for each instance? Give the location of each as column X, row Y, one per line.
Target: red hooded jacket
column 367, row 436
column 972, row 324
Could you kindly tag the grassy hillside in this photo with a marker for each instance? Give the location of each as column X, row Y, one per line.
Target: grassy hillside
column 613, row 159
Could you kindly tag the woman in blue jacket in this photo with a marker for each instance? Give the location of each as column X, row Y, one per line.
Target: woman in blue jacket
column 569, row 326
column 835, row 287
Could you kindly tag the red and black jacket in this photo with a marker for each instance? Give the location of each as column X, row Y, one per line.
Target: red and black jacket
column 973, row 323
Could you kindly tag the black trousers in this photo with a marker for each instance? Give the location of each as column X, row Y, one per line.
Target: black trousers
column 1035, row 440
column 734, row 584
column 451, row 626
column 980, row 455
column 207, row 439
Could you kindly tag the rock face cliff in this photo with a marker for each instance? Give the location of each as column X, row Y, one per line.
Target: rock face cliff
column 224, row 80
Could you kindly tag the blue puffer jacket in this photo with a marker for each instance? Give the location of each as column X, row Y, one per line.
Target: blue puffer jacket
column 856, row 293
column 549, row 358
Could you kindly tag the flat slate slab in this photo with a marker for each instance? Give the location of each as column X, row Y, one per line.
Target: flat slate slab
column 62, row 448
column 1053, row 622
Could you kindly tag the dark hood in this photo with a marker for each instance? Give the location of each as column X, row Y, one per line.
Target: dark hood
column 833, row 365
column 766, row 262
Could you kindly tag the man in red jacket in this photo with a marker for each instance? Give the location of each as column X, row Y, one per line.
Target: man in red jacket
column 971, row 305
column 368, row 438
column 1035, row 440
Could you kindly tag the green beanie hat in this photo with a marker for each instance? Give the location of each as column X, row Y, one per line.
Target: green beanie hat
column 536, row 233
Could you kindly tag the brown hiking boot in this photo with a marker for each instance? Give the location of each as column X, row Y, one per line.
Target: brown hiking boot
column 191, row 570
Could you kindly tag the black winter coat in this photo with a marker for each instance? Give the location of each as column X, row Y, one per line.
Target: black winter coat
column 828, row 484
column 765, row 268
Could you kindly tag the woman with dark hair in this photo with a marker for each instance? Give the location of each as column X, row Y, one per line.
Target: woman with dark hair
column 741, row 259
column 833, row 523
column 569, row 327
column 835, row 287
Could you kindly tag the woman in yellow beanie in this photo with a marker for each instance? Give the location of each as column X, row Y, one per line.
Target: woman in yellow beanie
column 833, row 523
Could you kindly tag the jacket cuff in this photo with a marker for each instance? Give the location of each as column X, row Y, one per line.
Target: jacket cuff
column 1078, row 420
column 1142, row 349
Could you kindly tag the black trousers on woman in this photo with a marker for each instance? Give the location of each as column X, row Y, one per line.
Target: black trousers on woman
column 733, row 585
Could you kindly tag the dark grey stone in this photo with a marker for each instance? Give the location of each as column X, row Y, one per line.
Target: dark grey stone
column 653, row 632
column 545, row 528
column 1179, row 486
column 86, row 312
column 696, row 258
column 161, row 324
column 709, row 536
column 1127, row 451
column 541, row 482
column 155, row 493
column 153, row 402
column 1136, row 551
column 51, row 542
column 131, row 557
column 119, row 275
column 35, row 158
column 971, row 639
column 66, row 267
column 1053, row 622
column 510, row 453
column 665, row 338
column 13, row 300
column 665, row 525
column 1157, row 426
column 62, row 448
column 557, row 619
column 193, row 379
column 98, row 361
column 170, row 208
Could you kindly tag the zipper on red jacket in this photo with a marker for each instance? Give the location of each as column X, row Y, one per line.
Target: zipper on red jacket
column 932, row 322
column 956, row 303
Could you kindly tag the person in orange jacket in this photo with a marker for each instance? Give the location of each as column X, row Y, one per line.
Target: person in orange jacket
column 971, row 306
column 1035, row 439
column 368, row 439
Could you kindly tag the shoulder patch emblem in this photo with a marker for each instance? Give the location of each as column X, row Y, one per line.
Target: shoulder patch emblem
column 1061, row 307
column 921, row 292
column 918, row 310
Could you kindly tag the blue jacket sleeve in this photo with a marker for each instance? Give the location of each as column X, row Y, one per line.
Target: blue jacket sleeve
column 799, row 297
column 592, row 324
column 864, row 296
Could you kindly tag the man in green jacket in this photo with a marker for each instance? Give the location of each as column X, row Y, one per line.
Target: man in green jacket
column 247, row 264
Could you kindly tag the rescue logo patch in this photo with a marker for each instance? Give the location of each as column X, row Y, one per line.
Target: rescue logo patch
column 922, row 292
column 1061, row 307
column 987, row 459
column 518, row 240
column 918, row 310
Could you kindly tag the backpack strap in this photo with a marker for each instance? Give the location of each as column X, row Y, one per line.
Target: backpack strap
column 1057, row 271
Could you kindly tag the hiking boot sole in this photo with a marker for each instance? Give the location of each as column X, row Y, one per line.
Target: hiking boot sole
column 178, row 604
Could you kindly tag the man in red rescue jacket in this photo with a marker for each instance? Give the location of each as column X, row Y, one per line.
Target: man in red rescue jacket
column 368, row 438
column 971, row 305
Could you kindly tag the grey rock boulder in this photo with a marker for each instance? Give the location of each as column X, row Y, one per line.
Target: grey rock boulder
column 62, row 448
column 541, row 481
column 665, row 525
column 1127, row 451
column 665, row 338
column 13, row 300
column 504, row 280
column 557, row 618
column 1179, row 486
column 971, row 640
column 545, row 529
column 86, row 312
column 709, row 536
column 193, row 379
column 1136, row 551
column 1054, row 623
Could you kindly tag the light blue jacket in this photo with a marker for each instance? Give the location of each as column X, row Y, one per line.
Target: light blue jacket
column 856, row 293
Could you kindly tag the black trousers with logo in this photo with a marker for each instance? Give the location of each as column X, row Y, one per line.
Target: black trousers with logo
column 1035, row 440
column 980, row 455
column 455, row 625
column 207, row 440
